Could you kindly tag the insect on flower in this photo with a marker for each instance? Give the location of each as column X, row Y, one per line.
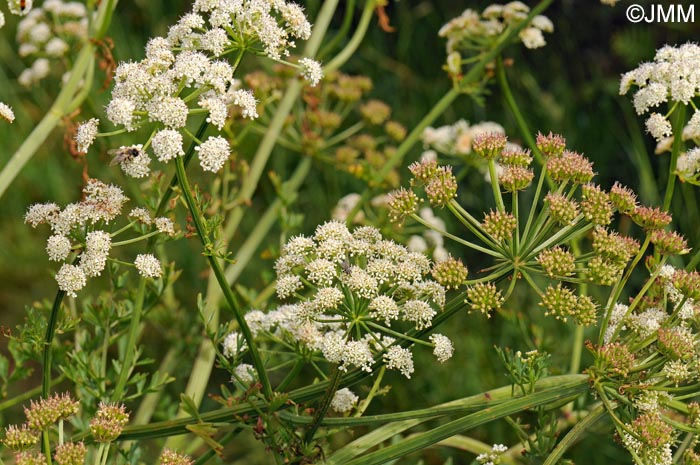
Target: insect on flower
column 20, row 7
column 124, row 154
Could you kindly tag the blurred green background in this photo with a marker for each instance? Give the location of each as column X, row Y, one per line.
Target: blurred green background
column 570, row 86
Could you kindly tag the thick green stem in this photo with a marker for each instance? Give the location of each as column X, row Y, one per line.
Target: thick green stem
column 221, row 278
column 322, row 409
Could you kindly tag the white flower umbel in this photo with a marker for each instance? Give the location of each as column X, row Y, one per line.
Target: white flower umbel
column 443, row 347
column 311, row 70
column 85, row 135
column 213, row 153
column 233, row 345
column 673, row 76
column 246, row 100
column 6, row 113
column 346, row 290
column 165, row 225
column 167, row 144
column 148, row 266
column 58, row 247
column 343, row 400
column 71, row 278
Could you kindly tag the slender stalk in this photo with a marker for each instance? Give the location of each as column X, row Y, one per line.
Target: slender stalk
column 359, row 34
column 130, row 348
column 533, row 205
column 519, row 118
column 678, row 124
column 344, row 28
column 576, row 432
column 493, row 177
column 455, row 238
column 221, row 278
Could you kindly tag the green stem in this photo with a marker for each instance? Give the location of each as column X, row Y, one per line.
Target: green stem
column 533, row 205
column 519, row 118
column 130, row 348
column 221, row 278
column 677, row 145
column 26, row 395
column 493, row 177
column 456, row 238
column 322, row 409
column 432, row 436
column 359, row 34
column 344, row 28
column 576, row 432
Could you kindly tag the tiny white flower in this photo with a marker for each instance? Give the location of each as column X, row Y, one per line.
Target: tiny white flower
column 233, row 345
column 165, row 226
column 246, row 100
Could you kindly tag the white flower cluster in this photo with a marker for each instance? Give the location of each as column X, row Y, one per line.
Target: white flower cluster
column 102, row 203
column 688, row 165
column 673, row 76
column 6, row 112
column 46, row 33
column 470, row 29
column 343, row 400
column 348, row 287
column 493, row 457
column 184, row 73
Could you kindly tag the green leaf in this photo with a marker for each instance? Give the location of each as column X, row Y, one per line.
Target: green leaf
column 549, row 390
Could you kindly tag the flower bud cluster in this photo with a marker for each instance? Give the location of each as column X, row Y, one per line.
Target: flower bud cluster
column 169, row 457
column 450, row 273
column 484, row 298
column 336, row 278
column 499, row 225
column 563, row 304
column 41, row 415
column 557, row 261
column 108, row 423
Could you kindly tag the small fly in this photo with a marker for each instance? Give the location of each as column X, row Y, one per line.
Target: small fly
column 124, row 154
